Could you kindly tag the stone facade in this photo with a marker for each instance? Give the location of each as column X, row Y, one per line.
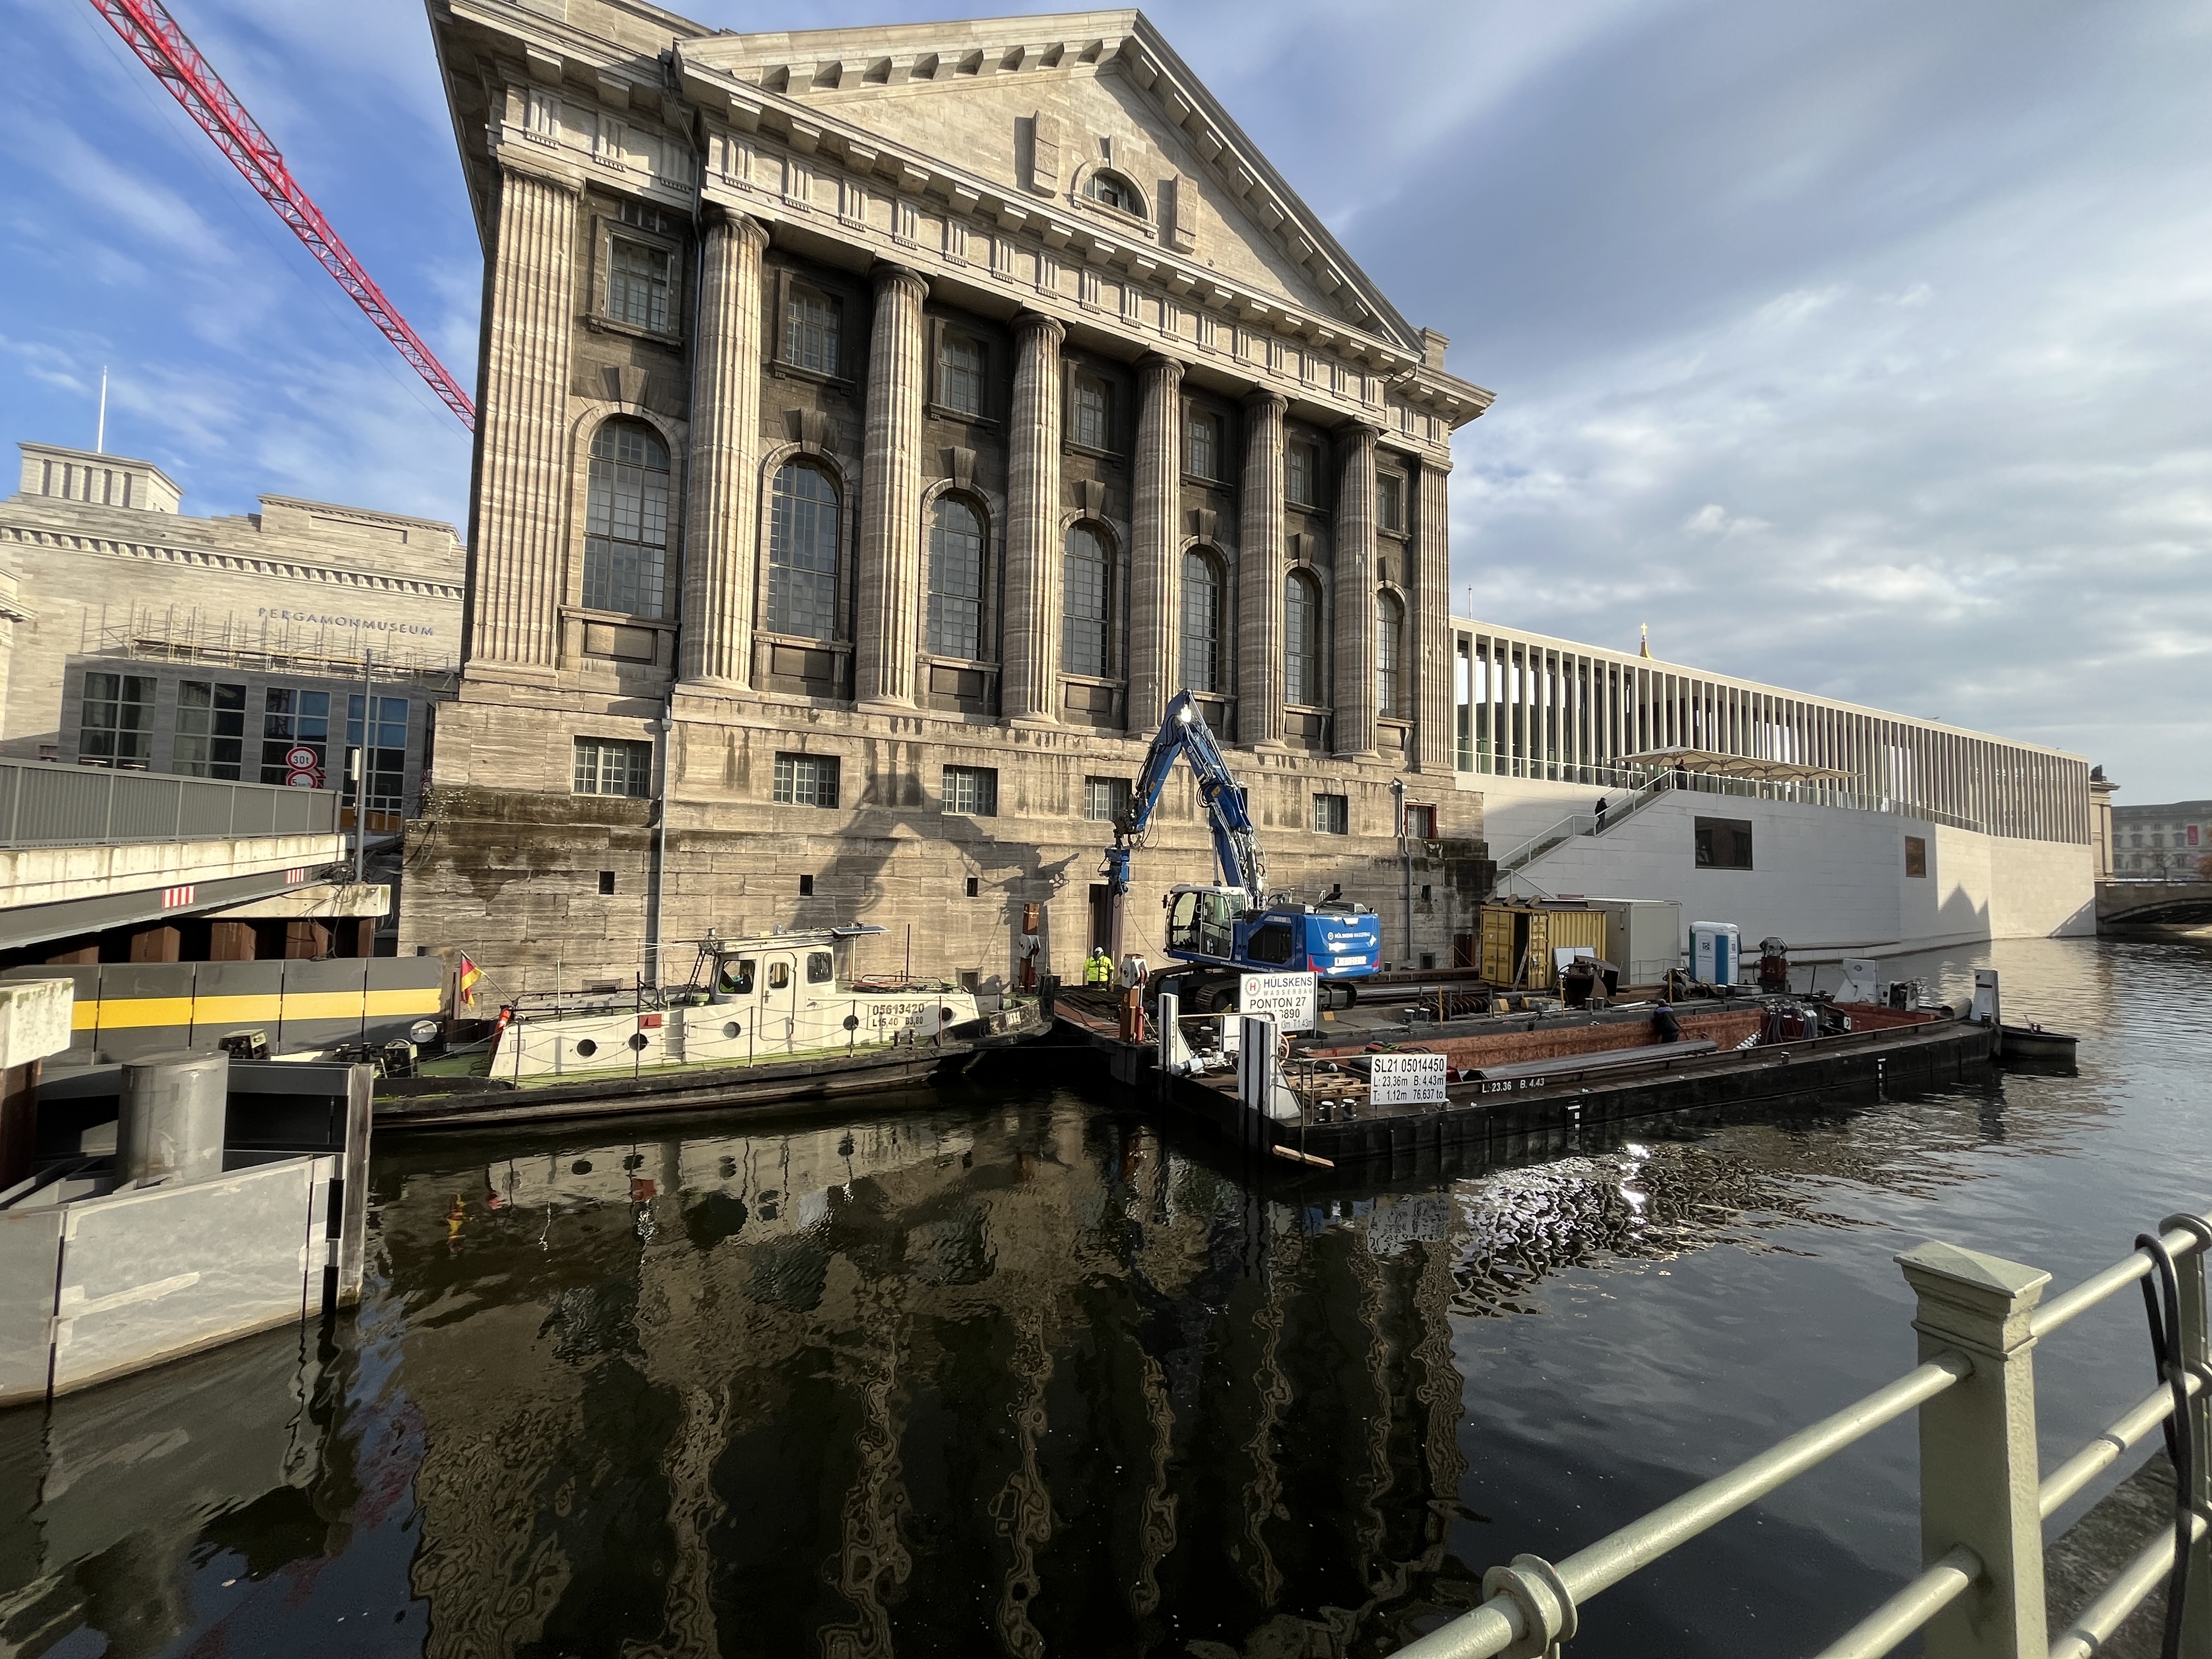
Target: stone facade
column 101, row 574
column 877, row 427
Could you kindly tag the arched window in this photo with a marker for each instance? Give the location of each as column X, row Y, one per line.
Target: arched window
column 1390, row 656
column 1202, row 623
column 1302, row 640
column 802, row 553
column 1083, row 593
column 1114, row 190
column 955, row 579
column 626, row 521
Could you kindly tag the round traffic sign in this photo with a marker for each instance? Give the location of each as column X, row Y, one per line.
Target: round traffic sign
column 302, row 758
column 303, row 780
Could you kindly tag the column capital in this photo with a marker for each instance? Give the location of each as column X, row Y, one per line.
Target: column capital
column 1262, row 401
column 1430, row 463
column 1154, row 363
column 1365, row 433
column 737, row 224
column 887, row 275
column 1036, row 322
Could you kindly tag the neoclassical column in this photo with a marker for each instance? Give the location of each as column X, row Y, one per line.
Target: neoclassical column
column 518, row 560
column 721, row 531
column 1154, row 674
column 888, row 633
column 1430, row 644
column 1030, row 670
column 1354, row 600
column 1260, row 574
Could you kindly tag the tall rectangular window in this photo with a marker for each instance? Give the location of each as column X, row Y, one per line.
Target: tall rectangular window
column 295, row 734
column 960, row 374
column 118, row 724
column 1390, row 501
column 1916, row 855
column 806, row 779
column 1299, row 468
column 1420, row 822
column 626, row 521
column 1090, row 413
column 810, row 335
column 1104, row 799
column 1332, row 815
column 972, row 789
column 385, row 783
column 210, row 730
column 1201, row 456
column 612, row 766
column 640, row 280
column 1722, row 843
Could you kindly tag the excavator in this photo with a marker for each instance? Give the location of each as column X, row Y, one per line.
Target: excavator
column 1236, row 927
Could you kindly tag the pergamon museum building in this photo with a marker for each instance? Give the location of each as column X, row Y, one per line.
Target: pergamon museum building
column 866, row 498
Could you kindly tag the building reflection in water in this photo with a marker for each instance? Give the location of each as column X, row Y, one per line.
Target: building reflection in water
column 1008, row 1380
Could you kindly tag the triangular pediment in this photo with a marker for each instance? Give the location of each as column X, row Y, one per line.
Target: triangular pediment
column 1038, row 106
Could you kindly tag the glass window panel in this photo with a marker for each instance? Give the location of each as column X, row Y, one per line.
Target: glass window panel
column 971, row 789
column 1390, row 656
column 1201, row 623
column 1302, row 640
column 1105, row 798
column 1082, row 643
column 117, row 723
column 811, row 331
column 960, row 374
column 639, row 282
column 626, row 522
column 1088, row 423
column 956, row 580
column 612, row 766
column 802, row 554
column 806, row 779
column 1202, row 458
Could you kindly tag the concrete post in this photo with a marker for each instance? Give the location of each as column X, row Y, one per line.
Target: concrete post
column 1031, row 686
column 174, row 1110
column 890, row 634
column 1155, row 674
column 1979, row 1474
column 721, row 528
column 1260, row 575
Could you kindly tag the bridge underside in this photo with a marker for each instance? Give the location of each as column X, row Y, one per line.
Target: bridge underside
column 2154, row 904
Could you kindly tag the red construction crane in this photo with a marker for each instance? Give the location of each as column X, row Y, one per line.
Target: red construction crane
column 148, row 30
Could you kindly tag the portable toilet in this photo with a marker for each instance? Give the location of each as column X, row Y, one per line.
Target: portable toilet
column 1715, row 951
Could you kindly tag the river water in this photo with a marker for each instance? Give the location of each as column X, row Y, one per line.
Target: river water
column 996, row 1370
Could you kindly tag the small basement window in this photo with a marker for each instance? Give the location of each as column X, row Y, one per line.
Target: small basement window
column 1723, row 843
column 606, row 881
column 807, row 887
column 1916, row 855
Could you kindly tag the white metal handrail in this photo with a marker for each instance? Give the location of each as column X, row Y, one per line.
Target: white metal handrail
column 1991, row 1305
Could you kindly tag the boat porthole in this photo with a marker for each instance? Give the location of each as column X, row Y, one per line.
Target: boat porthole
column 637, row 1040
column 581, row 1166
column 587, row 1049
column 852, row 1022
column 734, row 1029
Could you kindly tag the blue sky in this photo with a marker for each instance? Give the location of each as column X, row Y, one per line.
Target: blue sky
column 1859, row 348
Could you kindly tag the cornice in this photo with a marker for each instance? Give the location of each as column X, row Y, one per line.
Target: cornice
column 33, row 536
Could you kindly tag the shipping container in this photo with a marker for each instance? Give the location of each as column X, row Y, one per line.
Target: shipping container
column 1518, row 941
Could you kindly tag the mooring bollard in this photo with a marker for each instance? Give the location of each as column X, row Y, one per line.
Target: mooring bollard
column 173, row 1111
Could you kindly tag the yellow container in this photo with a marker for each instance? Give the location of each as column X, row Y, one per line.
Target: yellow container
column 1517, row 941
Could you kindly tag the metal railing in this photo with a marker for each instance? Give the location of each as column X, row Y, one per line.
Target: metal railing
column 1982, row 1499
column 44, row 805
column 1648, row 787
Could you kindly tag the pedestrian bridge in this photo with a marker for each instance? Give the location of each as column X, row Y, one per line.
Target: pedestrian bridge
column 2154, row 904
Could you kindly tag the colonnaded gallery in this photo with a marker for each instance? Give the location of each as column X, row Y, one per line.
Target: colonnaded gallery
column 878, row 426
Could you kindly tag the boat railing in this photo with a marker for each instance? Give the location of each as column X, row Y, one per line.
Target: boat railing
column 1984, row 1498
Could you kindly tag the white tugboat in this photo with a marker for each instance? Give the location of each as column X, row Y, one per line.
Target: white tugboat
column 760, row 1020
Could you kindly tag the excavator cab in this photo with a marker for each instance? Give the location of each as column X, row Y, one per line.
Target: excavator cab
column 1202, row 920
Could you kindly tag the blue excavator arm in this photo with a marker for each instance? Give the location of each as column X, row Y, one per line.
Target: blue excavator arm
column 1185, row 733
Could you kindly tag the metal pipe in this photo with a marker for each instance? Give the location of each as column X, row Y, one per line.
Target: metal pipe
column 2090, row 1291
column 2102, row 1452
column 1614, row 1558
column 2095, row 1623
column 1909, row 1609
column 659, row 845
column 361, row 777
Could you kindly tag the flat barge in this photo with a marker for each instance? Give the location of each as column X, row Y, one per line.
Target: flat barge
column 1519, row 1076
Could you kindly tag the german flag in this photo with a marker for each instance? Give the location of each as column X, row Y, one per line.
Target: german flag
column 466, row 977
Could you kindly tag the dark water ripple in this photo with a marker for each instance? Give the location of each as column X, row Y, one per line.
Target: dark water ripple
column 986, row 1371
